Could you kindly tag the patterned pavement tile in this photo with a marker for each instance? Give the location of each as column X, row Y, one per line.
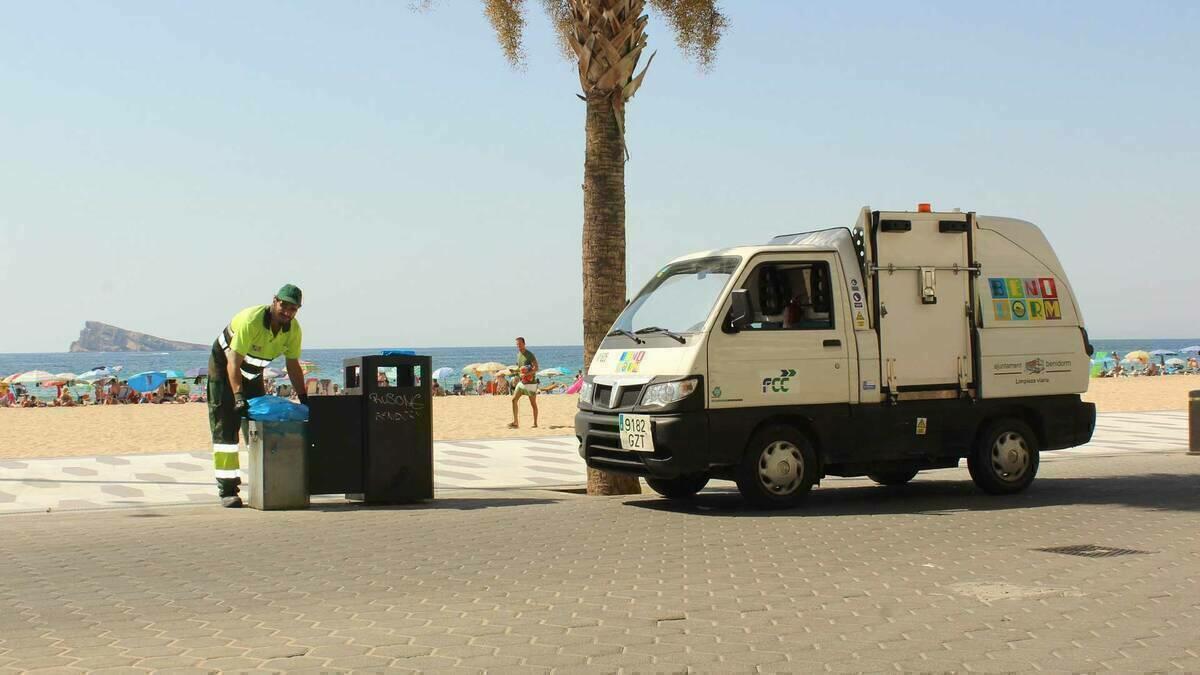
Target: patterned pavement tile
column 36, row 485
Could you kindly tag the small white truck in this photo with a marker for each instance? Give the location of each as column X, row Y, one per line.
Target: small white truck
column 906, row 343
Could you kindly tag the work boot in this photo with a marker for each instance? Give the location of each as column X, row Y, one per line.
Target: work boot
column 234, row 502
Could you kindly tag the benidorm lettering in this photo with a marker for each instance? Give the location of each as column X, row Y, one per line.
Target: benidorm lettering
column 1025, row 299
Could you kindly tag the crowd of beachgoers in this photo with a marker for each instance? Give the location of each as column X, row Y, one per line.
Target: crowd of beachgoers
column 114, row 392
column 1141, row 363
column 30, row 392
column 500, row 385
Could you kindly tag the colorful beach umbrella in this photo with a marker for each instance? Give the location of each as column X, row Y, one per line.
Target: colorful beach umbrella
column 443, row 372
column 11, row 378
column 33, row 377
column 309, row 367
column 1138, row 355
column 197, row 372
column 147, row 381
column 174, row 374
column 59, row 380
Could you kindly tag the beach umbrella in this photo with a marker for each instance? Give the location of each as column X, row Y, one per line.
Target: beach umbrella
column 59, row 379
column 487, row 367
column 1175, row 362
column 1162, row 354
column 1138, row 355
column 174, row 374
column 99, row 373
column 11, row 378
column 443, row 372
column 33, row 377
column 147, row 381
column 550, row 372
column 197, row 372
column 1193, row 348
column 308, row 367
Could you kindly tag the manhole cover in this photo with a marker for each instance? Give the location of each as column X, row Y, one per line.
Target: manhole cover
column 1092, row 551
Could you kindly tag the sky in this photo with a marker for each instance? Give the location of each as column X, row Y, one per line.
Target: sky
column 164, row 164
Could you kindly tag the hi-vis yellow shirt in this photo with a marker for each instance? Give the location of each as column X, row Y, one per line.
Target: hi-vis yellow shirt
column 252, row 335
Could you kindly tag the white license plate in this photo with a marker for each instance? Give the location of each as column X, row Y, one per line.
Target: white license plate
column 635, row 433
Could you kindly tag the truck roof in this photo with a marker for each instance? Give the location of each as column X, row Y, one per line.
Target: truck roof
column 1022, row 233
column 835, row 240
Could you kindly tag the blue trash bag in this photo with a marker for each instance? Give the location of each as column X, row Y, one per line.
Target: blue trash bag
column 276, row 409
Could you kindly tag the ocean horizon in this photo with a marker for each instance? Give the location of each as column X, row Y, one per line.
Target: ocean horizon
column 569, row 358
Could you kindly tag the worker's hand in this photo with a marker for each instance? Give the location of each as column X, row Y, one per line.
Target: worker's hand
column 240, row 405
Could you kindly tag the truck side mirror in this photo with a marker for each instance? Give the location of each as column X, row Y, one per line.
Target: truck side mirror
column 739, row 311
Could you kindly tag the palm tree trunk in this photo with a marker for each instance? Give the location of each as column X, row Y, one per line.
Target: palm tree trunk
column 603, row 250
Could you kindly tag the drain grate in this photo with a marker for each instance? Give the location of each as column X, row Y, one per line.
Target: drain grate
column 1092, row 551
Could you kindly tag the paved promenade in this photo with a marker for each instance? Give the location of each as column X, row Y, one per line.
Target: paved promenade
column 183, row 478
column 1096, row 567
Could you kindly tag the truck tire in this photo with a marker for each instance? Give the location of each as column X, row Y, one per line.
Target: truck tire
column 1005, row 457
column 892, row 478
column 683, row 487
column 778, row 468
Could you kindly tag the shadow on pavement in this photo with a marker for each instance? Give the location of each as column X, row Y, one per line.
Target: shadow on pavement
column 1157, row 491
column 451, row 503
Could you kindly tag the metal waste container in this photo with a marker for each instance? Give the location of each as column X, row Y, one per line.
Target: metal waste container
column 277, row 467
column 374, row 442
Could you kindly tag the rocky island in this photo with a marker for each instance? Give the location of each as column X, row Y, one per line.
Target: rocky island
column 101, row 337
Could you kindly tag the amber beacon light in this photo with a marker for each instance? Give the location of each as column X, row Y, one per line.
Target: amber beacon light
column 924, row 208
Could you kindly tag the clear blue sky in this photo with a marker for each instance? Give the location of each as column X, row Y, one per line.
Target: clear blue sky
column 164, row 164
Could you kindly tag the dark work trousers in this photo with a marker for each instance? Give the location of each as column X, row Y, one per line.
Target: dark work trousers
column 224, row 421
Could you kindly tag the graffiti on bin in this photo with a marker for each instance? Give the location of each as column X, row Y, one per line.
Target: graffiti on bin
column 397, row 407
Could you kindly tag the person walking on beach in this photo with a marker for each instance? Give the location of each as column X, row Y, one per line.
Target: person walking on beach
column 527, row 366
column 254, row 337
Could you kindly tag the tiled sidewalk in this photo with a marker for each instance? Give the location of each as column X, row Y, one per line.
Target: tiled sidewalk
column 183, row 478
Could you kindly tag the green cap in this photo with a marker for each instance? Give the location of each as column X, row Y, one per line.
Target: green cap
column 290, row 293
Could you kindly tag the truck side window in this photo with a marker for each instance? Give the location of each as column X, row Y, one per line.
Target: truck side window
column 790, row 296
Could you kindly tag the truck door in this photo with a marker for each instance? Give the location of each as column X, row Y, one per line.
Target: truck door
column 923, row 290
column 795, row 349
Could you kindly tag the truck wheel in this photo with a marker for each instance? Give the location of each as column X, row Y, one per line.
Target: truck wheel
column 682, row 487
column 898, row 477
column 778, row 468
column 1005, row 457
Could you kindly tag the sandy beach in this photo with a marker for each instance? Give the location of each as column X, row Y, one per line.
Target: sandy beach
column 118, row 430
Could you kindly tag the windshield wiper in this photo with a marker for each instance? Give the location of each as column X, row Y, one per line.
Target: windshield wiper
column 664, row 331
column 622, row 331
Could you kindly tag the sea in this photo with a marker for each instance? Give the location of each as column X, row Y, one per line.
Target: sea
column 567, row 358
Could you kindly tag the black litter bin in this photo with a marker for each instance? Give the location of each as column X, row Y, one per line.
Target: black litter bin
column 375, row 441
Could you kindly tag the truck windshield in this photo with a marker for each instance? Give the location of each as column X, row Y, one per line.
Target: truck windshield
column 679, row 298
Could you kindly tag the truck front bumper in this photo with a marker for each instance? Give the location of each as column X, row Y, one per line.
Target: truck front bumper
column 680, row 445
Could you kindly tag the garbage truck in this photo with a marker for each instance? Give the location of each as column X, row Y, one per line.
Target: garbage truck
column 909, row 342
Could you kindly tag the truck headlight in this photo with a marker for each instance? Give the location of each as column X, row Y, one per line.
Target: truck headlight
column 669, row 392
column 585, row 392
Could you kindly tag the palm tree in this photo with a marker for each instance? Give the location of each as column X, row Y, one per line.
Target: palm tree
column 606, row 38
